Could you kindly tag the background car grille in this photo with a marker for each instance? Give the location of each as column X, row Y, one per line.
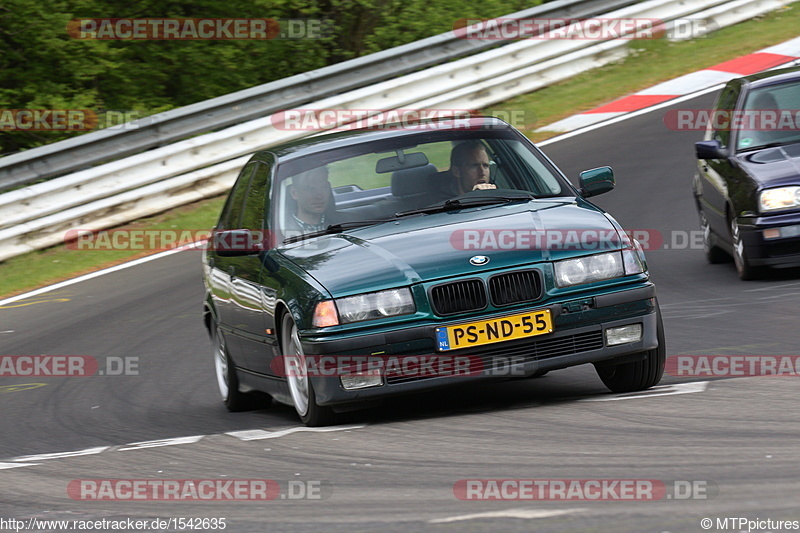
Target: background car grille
column 515, row 287
column 786, row 248
column 458, row 297
column 524, row 352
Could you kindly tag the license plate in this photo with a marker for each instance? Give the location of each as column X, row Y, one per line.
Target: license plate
column 495, row 330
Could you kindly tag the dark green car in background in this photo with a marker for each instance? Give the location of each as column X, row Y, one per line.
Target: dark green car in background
column 352, row 266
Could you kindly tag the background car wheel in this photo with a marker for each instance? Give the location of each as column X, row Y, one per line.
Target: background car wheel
column 745, row 270
column 300, row 386
column 228, row 381
column 714, row 254
column 639, row 375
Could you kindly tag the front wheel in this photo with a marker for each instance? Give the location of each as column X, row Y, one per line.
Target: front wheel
column 227, row 380
column 638, row 375
column 300, row 386
column 741, row 259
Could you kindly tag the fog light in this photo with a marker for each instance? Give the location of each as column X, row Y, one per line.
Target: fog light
column 623, row 334
column 362, row 380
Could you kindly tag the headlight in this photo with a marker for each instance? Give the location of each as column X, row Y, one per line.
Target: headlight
column 354, row 308
column 367, row 307
column 634, row 260
column 597, row 267
column 780, row 198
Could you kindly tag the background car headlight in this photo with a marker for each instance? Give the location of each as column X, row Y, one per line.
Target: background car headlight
column 597, row 267
column 779, row 198
column 375, row 305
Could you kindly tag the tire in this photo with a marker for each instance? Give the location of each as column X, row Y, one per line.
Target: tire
column 714, row 254
column 638, row 375
column 300, row 387
column 745, row 270
column 227, row 380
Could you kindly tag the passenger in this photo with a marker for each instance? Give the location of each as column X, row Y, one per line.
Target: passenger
column 311, row 191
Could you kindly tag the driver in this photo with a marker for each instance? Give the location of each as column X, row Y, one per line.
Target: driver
column 469, row 165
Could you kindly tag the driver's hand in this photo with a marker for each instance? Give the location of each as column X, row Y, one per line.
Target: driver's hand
column 484, row 186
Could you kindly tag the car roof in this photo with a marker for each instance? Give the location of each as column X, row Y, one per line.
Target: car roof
column 771, row 77
column 329, row 141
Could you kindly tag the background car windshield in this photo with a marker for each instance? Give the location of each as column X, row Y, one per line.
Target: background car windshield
column 371, row 182
column 771, row 116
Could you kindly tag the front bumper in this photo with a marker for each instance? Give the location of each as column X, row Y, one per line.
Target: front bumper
column 578, row 338
column 783, row 251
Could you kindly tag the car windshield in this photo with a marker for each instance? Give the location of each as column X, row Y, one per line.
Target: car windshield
column 771, row 117
column 372, row 182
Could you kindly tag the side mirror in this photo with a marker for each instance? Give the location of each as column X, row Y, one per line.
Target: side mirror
column 710, row 150
column 596, row 181
column 237, row 242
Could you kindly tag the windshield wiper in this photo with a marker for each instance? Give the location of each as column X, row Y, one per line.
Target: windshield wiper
column 333, row 228
column 463, row 203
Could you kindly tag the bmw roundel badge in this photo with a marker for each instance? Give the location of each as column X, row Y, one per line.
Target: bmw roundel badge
column 478, row 260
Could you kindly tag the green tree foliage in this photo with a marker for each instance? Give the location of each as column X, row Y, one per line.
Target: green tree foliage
column 42, row 67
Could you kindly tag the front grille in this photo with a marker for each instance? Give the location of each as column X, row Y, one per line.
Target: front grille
column 784, row 248
column 521, row 353
column 515, row 287
column 458, row 297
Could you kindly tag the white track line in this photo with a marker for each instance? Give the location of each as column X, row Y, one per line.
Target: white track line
column 525, row 514
column 99, row 273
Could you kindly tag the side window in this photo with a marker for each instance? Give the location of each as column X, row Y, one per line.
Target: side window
column 725, row 103
column 232, row 212
column 255, row 203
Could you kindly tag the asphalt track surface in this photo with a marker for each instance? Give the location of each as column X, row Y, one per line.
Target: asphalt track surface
column 395, row 468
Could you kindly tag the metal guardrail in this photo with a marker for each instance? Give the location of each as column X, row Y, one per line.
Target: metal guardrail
column 163, row 128
column 117, row 192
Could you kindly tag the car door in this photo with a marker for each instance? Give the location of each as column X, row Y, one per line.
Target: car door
column 221, row 266
column 715, row 174
column 249, row 296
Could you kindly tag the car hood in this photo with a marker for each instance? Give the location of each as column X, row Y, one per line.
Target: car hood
column 773, row 167
column 439, row 246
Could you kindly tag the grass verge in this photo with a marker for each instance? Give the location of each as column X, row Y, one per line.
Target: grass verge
column 649, row 63
column 44, row 267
